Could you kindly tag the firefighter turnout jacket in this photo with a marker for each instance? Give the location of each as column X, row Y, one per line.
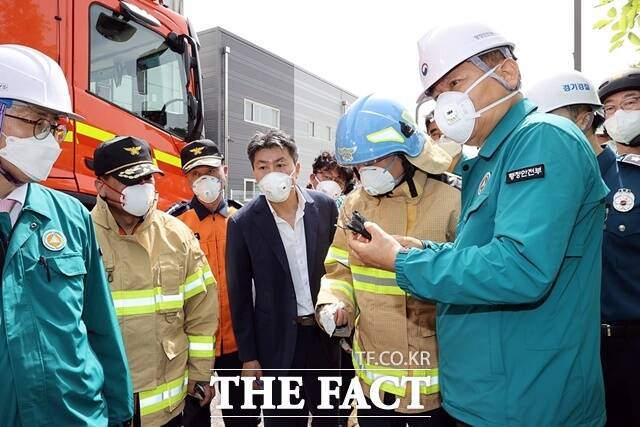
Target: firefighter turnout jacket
column 394, row 332
column 165, row 298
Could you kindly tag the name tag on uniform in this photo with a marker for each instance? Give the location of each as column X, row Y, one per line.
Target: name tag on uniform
column 524, row 174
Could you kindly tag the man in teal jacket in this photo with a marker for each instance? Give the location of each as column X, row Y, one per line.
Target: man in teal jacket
column 518, row 290
column 61, row 354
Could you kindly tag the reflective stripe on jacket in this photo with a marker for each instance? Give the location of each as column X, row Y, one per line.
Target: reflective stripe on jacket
column 394, row 332
column 166, row 301
column 211, row 231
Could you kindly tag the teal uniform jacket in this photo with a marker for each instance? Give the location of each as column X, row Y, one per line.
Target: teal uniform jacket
column 61, row 354
column 519, row 289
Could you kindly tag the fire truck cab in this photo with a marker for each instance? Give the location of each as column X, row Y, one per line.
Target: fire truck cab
column 132, row 68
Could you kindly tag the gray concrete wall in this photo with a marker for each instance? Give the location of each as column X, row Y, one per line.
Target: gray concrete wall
column 256, row 75
column 323, row 104
column 260, row 76
column 211, row 68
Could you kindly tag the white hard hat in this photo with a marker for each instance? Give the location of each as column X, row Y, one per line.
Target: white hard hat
column 444, row 48
column 564, row 89
column 30, row 76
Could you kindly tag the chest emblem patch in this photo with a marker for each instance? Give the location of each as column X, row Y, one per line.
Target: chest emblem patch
column 54, row 240
column 484, row 182
column 623, row 200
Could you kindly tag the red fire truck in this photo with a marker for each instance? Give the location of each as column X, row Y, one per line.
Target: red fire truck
column 132, row 68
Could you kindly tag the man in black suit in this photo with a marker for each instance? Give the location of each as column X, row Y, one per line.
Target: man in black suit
column 279, row 241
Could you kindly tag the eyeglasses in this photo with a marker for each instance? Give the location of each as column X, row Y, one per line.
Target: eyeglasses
column 629, row 104
column 43, row 127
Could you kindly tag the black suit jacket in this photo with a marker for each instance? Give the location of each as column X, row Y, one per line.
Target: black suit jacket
column 266, row 329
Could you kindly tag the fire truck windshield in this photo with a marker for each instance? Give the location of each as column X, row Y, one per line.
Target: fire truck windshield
column 138, row 70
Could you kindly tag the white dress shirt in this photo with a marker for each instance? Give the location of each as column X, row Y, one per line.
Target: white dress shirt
column 295, row 245
column 19, row 195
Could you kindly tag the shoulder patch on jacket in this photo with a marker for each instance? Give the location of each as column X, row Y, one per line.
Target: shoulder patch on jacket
column 632, row 159
column 524, row 174
column 179, row 208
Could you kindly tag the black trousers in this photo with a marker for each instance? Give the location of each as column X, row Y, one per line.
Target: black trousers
column 227, row 365
column 376, row 417
column 309, row 354
column 620, row 367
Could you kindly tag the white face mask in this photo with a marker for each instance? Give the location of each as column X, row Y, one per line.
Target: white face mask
column 376, row 180
column 623, row 126
column 329, row 187
column 138, row 199
column 32, row 156
column 456, row 115
column 207, row 188
column 276, row 186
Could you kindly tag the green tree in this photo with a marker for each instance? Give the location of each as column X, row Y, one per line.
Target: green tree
column 623, row 19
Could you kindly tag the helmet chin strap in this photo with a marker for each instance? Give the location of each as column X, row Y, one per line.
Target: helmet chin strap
column 409, row 172
column 418, row 109
column 483, row 66
column 407, row 176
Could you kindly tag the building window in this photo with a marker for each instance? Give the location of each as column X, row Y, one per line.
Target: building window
column 261, row 114
column 323, row 132
column 319, row 131
column 249, row 189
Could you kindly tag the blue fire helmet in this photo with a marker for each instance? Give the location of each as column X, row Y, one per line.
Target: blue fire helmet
column 373, row 128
